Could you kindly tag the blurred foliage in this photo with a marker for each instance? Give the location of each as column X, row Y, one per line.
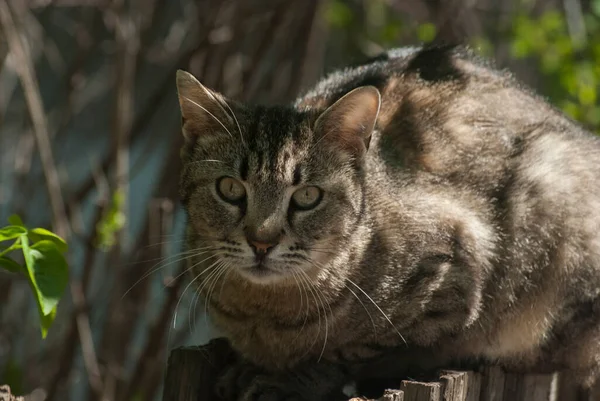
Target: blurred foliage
column 13, row 376
column 369, row 27
column 570, row 67
column 112, row 222
column 45, row 266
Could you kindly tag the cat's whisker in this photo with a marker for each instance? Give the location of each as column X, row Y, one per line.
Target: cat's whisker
column 195, row 264
column 192, row 311
column 209, row 276
column 222, row 270
column 229, row 269
column 209, row 113
column 198, row 291
column 163, row 243
column 208, row 161
column 192, row 282
column 377, row 306
column 301, row 281
column 214, row 276
column 325, row 252
column 294, row 274
column 220, row 104
column 323, row 302
column 301, row 288
column 236, row 123
column 214, row 280
column 364, row 307
column 154, row 259
column 155, row 269
column 310, row 287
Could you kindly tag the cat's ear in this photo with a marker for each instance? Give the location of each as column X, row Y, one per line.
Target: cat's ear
column 350, row 121
column 203, row 111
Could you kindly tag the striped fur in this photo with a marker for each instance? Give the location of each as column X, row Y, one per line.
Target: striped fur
column 465, row 225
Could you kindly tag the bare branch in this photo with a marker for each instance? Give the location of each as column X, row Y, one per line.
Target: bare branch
column 36, row 110
column 85, row 334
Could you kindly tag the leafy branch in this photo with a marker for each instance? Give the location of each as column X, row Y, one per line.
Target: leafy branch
column 44, row 265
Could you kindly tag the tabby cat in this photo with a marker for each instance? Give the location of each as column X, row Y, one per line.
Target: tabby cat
column 421, row 208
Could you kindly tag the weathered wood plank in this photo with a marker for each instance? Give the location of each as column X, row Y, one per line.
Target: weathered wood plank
column 538, row 387
column 392, row 395
column 492, row 384
column 474, row 386
column 388, row 395
column 6, row 395
column 513, row 386
column 192, row 371
column 569, row 390
column 417, row 391
column 530, row 387
column 455, row 385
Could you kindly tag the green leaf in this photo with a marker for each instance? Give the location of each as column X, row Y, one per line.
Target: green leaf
column 15, row 220
column 48, row 273
column 10, row 265
column 46, row 322
column 11, row 232
column 38, row 234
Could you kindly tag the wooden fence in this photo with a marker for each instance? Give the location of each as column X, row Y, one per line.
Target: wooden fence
column 192, row 372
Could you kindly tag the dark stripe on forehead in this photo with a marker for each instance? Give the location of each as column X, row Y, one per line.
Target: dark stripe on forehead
column 273, row 130
column 254, row 148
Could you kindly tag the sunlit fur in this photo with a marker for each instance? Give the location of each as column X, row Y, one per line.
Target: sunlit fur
column 466, row 225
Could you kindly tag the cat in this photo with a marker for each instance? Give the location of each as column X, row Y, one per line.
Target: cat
column 418, row 209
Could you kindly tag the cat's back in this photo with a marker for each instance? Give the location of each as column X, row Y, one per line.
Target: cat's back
column 448, row 112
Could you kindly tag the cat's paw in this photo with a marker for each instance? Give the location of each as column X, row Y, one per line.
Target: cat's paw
column 235, row 380
column 246, row 382
column 266, row 388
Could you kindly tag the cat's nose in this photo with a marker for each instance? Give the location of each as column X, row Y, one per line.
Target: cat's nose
column 261, row 247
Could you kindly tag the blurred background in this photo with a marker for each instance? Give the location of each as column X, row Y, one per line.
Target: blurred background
column 89, row 145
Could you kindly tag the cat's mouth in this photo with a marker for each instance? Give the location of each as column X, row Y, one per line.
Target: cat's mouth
column 261, row 268
column 260, row 272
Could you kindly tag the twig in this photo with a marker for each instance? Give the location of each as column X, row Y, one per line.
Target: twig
column 36, row 110
column 126, row 32
column 307, row 35
column 575, row 21
column 252, row 77
column 156, row 337
column 314, row 53
column 141, row 121
column 123, row 312
column 67, row 354
column 127, row 40
column 85, row 334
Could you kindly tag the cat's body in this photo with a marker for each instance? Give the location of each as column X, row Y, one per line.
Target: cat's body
column 469, row 229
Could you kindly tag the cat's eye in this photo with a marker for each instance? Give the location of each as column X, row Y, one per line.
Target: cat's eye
column 307, row 197
column 230, row 189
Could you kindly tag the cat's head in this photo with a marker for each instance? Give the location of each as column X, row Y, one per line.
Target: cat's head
column 272, row 192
